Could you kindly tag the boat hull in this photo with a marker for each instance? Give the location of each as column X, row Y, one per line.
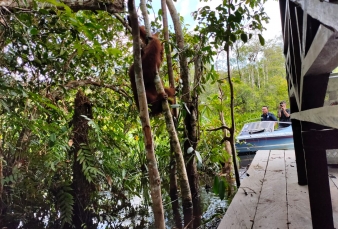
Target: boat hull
column 268, row 143
column 252, row 141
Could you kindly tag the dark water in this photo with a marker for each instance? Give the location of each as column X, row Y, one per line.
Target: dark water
column 213, row 207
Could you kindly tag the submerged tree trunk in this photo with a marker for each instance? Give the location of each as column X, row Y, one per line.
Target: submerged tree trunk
column 154, row 176
column 81, row 187
column 190, row 122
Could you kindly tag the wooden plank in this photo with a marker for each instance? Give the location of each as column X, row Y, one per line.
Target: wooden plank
column 333, row 174
column 285, row 28
column 318, row 181
column 272, row 206
column 320, row 40
column 296, row 59
column 326, row 116
column 299, row 216
column 289, row 75
column 242, row 209
column 322, row 36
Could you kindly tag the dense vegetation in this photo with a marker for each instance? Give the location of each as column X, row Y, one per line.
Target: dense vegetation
column 70, row 128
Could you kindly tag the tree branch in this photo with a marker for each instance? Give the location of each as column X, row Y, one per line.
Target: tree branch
column 225, row 139
column 112, row 6
column 79, row 83
column 220, row 128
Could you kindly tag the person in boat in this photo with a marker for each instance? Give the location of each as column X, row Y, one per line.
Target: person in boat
column 283, row 115
column 267, row 116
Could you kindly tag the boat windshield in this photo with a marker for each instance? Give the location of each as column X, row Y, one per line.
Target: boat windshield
column 257, row 127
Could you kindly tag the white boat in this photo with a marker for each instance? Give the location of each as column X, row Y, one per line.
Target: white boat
column 262, row 135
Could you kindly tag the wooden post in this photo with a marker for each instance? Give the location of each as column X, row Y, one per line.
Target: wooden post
column 298, row 145
column 318, row 180
column 315, row 143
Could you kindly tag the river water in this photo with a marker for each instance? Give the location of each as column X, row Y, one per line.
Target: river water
column 213, row 207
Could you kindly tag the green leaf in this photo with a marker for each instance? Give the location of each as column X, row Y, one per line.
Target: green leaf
column 221, row 189
column 215, row 186
column 33, row 31
column 52, row 137
column 244, row 37
column 79, row 48
column 233, row 37
column 114, row 51
column 261, row 39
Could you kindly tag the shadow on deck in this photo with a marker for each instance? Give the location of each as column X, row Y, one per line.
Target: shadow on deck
column 271, row 198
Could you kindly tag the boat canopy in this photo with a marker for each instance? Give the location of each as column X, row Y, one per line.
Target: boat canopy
column 257, row 127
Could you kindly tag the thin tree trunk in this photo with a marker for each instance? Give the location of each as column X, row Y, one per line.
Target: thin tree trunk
column 168, row 50
column 189, row 121
column 193, row 136
column 264, row 75
column 232, row 129
column 175, row 143
column 143, row 8
column 237, row 57
column 228, row 168
column 252, row 73
column 154, row 176
column 267, row 75
column 173, row 179
column 258, row 78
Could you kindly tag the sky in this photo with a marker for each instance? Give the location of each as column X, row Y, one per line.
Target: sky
column 186, row 7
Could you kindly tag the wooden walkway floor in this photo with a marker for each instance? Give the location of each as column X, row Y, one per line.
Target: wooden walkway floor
column 271, row 198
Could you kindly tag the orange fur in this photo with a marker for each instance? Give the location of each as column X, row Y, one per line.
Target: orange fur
column 152, row 57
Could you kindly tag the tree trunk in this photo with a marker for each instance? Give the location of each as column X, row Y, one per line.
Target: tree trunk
column 237, row 57
column 190, row 121
column 185, row 189
column 193, row 136
column 173, row 179
column 232, row 129
column 154, row 176
column 81, row 187
column 143, row 8
column 252, row 73
column 228, row 168
column 258, row 78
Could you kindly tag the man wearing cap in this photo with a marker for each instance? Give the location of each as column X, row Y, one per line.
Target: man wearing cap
column 283, row 115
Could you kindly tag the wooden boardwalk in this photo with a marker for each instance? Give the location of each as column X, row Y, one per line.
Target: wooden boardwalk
column 271, row 198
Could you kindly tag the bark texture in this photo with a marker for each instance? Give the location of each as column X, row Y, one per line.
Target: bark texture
column 154, row 176
column 173, row 168
column 190, row 122
column 81, row 188
column 181, row 169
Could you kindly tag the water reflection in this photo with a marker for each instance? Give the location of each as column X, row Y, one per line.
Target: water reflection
column 213, row 207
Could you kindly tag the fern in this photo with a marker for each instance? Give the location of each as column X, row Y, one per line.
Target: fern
column 86, row 158
column 65, row 201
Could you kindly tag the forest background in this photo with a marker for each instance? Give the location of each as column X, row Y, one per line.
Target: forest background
column 55, row 60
